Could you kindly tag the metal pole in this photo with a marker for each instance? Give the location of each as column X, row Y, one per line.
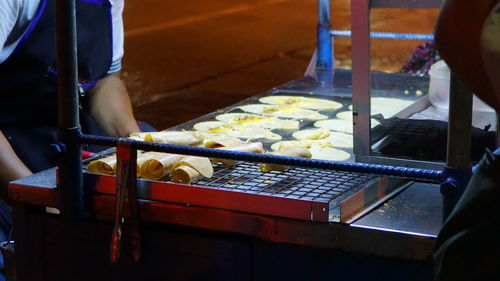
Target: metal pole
column 324, row 60
column 69, row 162
column 458, row 163
column 360, row 22
column 498, row 130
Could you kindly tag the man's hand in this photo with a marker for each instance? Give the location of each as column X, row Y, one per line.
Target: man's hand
column 11, row 167
column 110, row 106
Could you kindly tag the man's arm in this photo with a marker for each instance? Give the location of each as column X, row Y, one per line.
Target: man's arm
column 11, row 166
column 458, row 39
column 110, row 106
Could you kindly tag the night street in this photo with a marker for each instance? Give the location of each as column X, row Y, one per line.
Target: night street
column 185, row 59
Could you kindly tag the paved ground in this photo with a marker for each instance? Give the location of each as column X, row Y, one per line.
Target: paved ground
column 185, row 59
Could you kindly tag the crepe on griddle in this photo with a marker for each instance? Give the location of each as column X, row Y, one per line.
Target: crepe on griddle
column 320, row 149
column 303, row 102
column 212, row 129
column 221, row 142
column 286, row 111
column 189, row 138
column 252, row 147
column 291, row 152
column 267, row 122
column 325, row 137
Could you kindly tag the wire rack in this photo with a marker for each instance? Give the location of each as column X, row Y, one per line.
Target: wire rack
column 295, row 183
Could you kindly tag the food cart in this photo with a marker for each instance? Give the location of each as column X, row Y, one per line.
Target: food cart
column 374, row 216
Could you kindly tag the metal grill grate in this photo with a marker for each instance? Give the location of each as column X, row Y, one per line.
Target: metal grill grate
column 295, row 183
column 414, row 128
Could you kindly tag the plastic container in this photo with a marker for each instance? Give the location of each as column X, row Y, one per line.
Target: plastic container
column 439, row 89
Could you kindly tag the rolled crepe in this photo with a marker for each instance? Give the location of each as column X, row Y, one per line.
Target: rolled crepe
column 107, row 165
column 291, row 152
column 217, row 143
column 191, row 168
column 103, row 166
column 253, row 147
column 171, row 137
column 157, row 165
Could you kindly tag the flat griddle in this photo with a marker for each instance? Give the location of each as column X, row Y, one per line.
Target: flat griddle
column 299, row 193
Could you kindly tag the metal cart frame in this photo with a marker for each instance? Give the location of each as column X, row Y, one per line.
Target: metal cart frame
column 69, row 196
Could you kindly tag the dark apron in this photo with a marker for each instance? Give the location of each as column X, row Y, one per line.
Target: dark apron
column 28, row 99
column 28, row 95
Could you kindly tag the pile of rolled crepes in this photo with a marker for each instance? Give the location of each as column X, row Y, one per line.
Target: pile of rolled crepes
column 182, row 168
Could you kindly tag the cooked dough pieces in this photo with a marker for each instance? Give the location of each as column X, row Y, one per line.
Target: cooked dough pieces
column 103, row 166
column 303, row 102
column 320, row 149
column 325, row 137
column 312, row 134
column 268, row 122
column 291, row 152
column 212, row 129
column 221, row 142
column 338, row 125
column 191, row 168
column 345, row 115
column 329, row 153
column 386, row 106
column 253, row 147
column 171, row 137
column 157, row 165
column 286, row 111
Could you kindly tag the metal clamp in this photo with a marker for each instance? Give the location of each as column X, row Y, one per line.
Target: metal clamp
column 126, row 181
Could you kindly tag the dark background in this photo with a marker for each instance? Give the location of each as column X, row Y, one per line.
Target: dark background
column 187, row 58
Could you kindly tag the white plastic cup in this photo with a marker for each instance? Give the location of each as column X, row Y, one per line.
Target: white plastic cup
column 439, row 89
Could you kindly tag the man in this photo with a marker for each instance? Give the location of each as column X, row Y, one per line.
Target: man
column 468, row 246
column 28, row 110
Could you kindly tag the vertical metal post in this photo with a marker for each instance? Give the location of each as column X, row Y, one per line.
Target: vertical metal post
column 324, row 59
column 360, row 22
column 70, row 162
column 498, row 130
column 458, row 162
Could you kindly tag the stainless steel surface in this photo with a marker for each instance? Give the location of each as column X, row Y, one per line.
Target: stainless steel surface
column 416, row 210
column 368, row 198
column 420, row 4
column 459, row 125
column 361, row 84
